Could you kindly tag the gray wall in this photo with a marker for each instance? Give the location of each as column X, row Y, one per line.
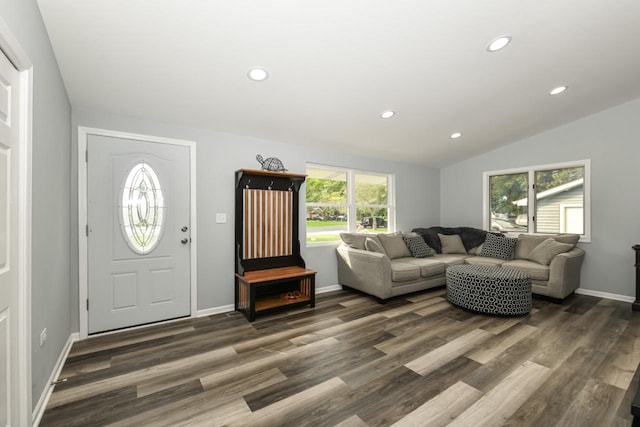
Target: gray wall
column 611, row 140
column 51, row 189
column 219, row 155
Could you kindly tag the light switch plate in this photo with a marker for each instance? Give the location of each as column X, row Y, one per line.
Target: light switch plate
column 221, row 218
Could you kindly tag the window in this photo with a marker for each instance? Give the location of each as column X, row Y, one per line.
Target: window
column 341, row 200
column 560, row 195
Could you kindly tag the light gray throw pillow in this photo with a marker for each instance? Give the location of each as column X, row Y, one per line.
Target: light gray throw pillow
column 373, row 246
column 394, row 245
column 451, row 244
column 547, row 250
column 354, row 240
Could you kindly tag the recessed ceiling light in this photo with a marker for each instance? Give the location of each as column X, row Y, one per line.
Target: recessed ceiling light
column 387, row 114
column 499, row 43
column 558, row 90
column 456, row 135
column 257, row 74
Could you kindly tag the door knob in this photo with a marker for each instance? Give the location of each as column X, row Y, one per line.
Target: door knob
column 184, row 241
column 184, row 228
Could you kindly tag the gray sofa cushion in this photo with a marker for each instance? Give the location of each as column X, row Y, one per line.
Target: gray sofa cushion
column 536, row 271
column 481, row 260
column 403, row 271
column 451, row 244
column 547, row 250
column 354, row 240
column 429, row 267
column 450, row 259
column 394, row 245
column 498, row 247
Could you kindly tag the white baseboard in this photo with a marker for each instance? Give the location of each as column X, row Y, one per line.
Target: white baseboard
column 38, row 411
column 215, row 310
column 606, row 295
column 329, row 288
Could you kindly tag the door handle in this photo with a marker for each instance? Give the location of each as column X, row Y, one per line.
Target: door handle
column 184, row 241
column 184, row 228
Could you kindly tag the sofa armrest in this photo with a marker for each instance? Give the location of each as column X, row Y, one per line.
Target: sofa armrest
column 366, row 271
column 564, row 273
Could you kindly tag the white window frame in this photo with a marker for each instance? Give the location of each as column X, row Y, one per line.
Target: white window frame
column 531, row 194
column 351, row 197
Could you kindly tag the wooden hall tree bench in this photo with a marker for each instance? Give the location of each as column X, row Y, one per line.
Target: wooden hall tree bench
column 269, row 270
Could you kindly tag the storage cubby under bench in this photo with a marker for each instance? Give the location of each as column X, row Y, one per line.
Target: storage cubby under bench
column 262, row 290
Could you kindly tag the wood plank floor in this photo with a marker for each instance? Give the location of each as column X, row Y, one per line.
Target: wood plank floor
column 350, row 361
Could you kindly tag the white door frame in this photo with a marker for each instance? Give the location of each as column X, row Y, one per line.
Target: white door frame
column 83, row 262
column 12, row 49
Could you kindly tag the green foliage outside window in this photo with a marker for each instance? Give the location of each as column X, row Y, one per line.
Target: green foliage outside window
column 330, row 206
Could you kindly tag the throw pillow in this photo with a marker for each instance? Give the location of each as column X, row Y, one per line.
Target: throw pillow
column 499, row 247
column 547, row 250
column 373, row 246
column 418, row 247
column 451, row 244
column 527, row 242
column 354, row 240
column 476, row 250
column 394, row 245
column 571, row 239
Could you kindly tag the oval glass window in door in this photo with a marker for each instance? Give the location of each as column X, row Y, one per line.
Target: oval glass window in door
column 142, row 209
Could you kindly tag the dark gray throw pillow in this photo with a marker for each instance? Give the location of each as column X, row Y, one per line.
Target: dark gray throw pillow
column 418, row 247
column 498, row 246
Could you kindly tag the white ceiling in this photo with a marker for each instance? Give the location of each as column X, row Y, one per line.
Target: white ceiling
column 335, row 65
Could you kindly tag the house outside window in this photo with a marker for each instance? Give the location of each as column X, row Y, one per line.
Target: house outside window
column 560, row 195
column 341, row 199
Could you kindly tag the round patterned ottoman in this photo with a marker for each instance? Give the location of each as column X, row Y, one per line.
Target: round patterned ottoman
column 489, row 289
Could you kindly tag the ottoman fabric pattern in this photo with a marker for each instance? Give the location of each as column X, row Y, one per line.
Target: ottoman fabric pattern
column 489, row 289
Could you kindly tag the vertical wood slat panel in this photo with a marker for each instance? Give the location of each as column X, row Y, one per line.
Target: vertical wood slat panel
column 305, row 286
column 268, row 223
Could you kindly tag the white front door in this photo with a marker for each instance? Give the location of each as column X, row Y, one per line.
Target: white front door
column 9, row 337
column 138, row 210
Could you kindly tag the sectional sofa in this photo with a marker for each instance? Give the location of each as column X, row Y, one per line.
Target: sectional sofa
column 384, row 266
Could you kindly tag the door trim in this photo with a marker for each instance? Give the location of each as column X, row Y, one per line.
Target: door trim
column 83, row 261
column 19, row 58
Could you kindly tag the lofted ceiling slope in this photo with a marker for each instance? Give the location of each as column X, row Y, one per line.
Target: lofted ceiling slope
column 334, row 66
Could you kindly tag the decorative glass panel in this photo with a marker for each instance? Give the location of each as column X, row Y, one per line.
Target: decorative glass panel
column 142, row 209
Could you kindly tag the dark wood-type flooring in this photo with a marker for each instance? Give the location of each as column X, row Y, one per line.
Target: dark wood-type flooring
column 350, row 361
